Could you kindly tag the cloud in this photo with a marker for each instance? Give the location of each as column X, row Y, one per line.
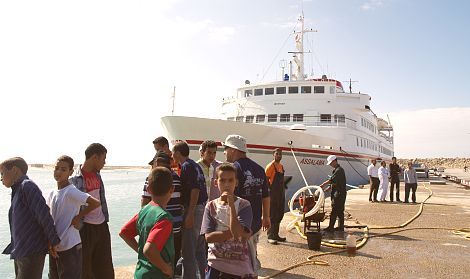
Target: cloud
column 372, row 5
column 206, row 28
column 440, row 132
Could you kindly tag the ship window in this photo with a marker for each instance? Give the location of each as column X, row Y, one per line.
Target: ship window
column 280, row 90
column 357, row 141
column 319, row 89
column 325, row 118
column 239, row 119
column 260, row 118
column 340, row 118
column 269, row 91
column 332, row 90
column 249, row 118
column 248, row 93
column 230, row 118
column 297, row 117
column 258, row 91
column 293, row 89
column 272, row 117
column 284, row 118
column 305, row 89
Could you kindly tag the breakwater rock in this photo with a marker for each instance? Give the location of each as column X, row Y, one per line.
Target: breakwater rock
column 448, row 163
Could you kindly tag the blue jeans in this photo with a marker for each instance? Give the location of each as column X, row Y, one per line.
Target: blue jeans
column 194, row 250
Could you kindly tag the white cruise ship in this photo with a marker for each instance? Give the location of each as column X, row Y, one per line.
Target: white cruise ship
column 312, row 117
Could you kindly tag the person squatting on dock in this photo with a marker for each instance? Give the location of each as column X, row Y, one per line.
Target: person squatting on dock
column 373, row 173
column 395, row 171
column 253, row 187
column 384, row 174
column 411, row 182
column 275, row 176
column 338, row 194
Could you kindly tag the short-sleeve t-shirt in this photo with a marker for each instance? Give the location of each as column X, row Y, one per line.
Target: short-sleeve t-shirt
column 192, row 177
column 93, row 186
column 158, row 235
column 231, row 256
column 64, row 205
column 253, row 187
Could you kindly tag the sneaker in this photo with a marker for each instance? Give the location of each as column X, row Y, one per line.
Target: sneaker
column 272, row 241
column 339, row 229
column 328, row 230
column 398, row 200
column 280, row 239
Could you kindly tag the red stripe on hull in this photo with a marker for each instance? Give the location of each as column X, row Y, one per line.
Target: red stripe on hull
column 270, row 147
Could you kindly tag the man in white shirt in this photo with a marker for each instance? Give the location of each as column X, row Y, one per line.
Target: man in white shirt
column 208, row 163
column 373, row 173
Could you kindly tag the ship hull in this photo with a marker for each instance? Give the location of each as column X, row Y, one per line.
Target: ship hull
column 262, row 140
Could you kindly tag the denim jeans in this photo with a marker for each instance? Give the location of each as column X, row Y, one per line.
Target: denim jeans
column 194, row 248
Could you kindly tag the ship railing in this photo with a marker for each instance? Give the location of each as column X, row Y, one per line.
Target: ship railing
column 389, row 139
column 317, row 121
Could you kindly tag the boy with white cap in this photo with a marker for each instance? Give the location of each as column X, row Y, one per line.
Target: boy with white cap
column 338, row 194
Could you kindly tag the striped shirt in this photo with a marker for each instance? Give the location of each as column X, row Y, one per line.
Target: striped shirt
column 31, row 224
column 174, row 206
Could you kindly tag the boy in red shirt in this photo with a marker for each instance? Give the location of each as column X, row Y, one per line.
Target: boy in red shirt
column 153, row 225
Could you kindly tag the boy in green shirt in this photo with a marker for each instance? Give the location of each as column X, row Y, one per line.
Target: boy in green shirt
column 153, row 225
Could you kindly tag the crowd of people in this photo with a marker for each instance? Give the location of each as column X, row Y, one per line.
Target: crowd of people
column 383, row 179
column 199, row 219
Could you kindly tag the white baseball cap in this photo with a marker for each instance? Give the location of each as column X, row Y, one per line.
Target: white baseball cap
column 236, row 142
column 330, row 159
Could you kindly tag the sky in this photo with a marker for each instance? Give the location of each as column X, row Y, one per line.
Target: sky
column 76, row 72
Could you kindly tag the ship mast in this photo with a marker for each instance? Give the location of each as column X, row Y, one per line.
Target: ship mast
column 299, row 54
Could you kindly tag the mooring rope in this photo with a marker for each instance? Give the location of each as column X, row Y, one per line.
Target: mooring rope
column 360, row 243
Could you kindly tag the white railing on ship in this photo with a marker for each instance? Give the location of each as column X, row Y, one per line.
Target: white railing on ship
column 315, row 121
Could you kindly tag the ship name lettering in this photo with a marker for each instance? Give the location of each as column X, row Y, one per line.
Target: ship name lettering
column 307, row 161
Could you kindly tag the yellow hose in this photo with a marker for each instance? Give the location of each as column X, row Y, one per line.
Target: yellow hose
column 464, row 232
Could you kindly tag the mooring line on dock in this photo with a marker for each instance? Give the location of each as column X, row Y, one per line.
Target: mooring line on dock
column 464, row 232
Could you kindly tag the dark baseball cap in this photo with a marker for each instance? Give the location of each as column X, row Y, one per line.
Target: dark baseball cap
column 162, row 157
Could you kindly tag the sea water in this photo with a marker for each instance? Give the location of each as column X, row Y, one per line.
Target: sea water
column 123, row 192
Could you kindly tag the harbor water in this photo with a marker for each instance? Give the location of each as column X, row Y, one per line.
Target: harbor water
column 123, row 191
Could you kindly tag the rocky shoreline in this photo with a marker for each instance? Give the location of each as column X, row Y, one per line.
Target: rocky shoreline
column 448, row 163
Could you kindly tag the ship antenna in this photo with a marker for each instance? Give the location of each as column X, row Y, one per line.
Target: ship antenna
column 350, row 81
column 299, row 44
column 173, row 96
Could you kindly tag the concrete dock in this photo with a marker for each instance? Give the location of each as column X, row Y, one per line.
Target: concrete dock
column 416, row 253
